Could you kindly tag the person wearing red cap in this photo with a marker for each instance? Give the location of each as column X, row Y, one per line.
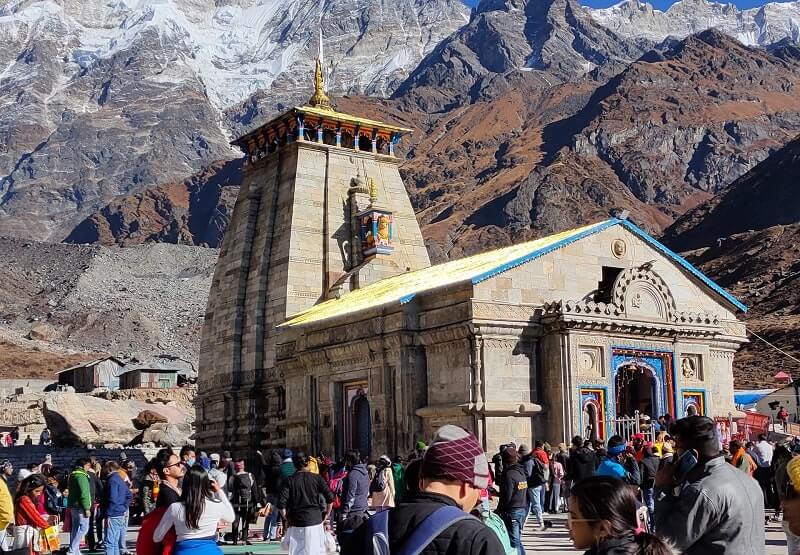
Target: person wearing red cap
column 454, row 469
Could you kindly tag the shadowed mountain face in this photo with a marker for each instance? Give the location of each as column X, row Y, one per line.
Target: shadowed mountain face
column 748, row 239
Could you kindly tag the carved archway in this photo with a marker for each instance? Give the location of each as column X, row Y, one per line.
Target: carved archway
column 641, row 292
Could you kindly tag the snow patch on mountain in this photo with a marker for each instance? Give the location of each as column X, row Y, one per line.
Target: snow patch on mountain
column 244, row 46
column 760, row 26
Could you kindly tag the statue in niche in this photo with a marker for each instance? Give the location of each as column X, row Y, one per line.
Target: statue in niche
column 688, row 368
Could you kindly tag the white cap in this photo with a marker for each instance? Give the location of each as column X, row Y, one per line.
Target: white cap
column 214, row 457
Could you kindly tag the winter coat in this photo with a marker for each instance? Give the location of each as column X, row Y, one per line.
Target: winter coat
column 649, row 467
column 80, row 490
column 466, row 537
column 628, row 472
column 6, row 505
column 356, row 490
column 399, row 475
column 581, row 464
column 719, row 510
column 119, row 496
column 513, row 489
column 385, row 498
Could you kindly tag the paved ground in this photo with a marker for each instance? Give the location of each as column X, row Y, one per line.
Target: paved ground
column 553, row 541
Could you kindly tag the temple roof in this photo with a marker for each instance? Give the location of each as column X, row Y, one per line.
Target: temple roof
column 326, row 115
column 477, row 268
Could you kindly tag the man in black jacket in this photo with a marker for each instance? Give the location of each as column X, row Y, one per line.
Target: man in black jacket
column 513, row 505
column 454, row 470
column 582, row 461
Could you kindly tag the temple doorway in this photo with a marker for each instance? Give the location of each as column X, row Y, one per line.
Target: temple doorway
column 357, row 419
column 635, row 387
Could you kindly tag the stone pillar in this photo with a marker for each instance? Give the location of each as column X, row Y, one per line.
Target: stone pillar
column 339, row 135
column 320, row 132
column 357, row 135
column 374, row 141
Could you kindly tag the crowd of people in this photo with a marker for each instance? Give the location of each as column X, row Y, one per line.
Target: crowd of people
column 683, row 493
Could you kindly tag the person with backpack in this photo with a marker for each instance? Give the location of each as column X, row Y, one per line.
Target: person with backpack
column 513, row 503
column 336, row 485
column 382, row 486
column 436, row 520
column 536, row 473
column 244, row 496
column 355, row 501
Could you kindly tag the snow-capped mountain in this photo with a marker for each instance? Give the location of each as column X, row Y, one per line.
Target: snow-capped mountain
column 236, row 47
column 761, row 26
column 102, row 97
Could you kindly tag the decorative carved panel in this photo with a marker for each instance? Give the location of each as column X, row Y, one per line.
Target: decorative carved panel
column 591, row 362
column 642, row 293
column 691, row 368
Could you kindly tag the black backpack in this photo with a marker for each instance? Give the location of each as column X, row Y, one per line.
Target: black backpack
column 538, row 475
column 243, row 488
column 378, row 483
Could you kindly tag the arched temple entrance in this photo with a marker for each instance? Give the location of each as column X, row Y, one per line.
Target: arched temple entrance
column 636, row 390
column 361, row 425
column 356, row 420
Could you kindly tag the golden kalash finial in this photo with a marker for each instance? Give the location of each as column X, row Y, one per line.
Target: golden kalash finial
column 319, row 99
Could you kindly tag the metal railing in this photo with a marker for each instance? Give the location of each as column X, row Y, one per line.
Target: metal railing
column 627, row 427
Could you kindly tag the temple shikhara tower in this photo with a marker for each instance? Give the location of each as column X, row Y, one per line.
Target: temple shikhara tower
column 328, row 329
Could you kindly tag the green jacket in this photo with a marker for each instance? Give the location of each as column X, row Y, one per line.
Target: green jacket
column 80, row 491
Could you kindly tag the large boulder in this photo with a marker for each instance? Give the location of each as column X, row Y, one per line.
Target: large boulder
column 167, row 435
column 76, row 419
column 147, row 418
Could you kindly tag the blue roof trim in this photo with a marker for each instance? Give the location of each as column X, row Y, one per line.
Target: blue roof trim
column 407, row 298
column 684, row 264
column 545, row 250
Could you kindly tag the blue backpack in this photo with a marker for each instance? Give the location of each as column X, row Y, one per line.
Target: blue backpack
column 437, row 522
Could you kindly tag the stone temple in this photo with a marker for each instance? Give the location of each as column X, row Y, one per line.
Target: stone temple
column 327, row 327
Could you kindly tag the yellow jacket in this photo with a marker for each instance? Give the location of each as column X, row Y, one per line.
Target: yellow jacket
column 6, row 505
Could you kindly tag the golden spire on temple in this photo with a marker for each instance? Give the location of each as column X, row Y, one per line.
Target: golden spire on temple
column 319, row 98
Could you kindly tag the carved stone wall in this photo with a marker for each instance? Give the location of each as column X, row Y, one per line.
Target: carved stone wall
column 289, row 234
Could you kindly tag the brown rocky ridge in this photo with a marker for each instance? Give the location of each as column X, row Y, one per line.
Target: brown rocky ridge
column 748, row 240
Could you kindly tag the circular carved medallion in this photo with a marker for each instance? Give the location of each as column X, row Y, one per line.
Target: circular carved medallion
column 586, row 361
column 618, row 248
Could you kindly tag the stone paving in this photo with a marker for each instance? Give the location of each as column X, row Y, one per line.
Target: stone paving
column 553, row 541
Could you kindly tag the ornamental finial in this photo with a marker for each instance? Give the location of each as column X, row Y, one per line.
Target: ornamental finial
column 373, row 191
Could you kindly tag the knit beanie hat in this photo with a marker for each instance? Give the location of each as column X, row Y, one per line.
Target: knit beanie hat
column 455, row 454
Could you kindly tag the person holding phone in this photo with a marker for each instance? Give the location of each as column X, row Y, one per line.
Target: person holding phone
column 198, row 514
column 620, row 462
column 703, row 504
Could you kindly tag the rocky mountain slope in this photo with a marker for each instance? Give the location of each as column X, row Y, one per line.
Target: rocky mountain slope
column 764, row 25
column 101, row 99
column 748, row 239
column 142, row 301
